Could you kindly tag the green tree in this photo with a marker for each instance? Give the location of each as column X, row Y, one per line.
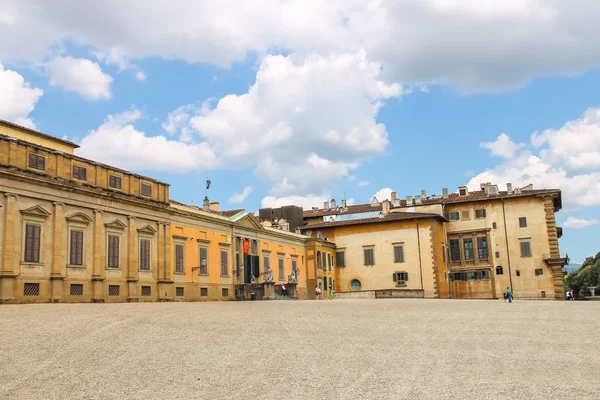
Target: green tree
column 588, row 275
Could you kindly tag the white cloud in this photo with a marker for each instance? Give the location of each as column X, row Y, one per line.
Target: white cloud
column 178, row 122
column 363, row 183
column 117, row 142
column 17, row 98
column 577, row 223
column 81, row 76
column 140, row 76
column 237, row 198
column 557, row 162
column 383, row 194
column 116, row 56
column 503, row 146
column 306, row 202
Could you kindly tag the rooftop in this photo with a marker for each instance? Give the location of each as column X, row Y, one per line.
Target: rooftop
column 391, row 217
column 38, row 133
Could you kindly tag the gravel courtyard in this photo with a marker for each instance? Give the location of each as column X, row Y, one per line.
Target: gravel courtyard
column 342, row 349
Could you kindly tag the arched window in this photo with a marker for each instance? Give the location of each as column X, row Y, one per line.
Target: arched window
column 355, row 284
column 499, row 270
column 318, row 259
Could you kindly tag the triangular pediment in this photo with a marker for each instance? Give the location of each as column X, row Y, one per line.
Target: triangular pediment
column 249, row 221
column 147, row 229
column 116, row 224
column 36, row 211
column 79, row 217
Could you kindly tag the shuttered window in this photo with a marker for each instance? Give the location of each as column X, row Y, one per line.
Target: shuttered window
column 525, row 247
column 145, row 254
column 146, row 190
column 324, row 261
column 329, row 261
column 400, row 276
column 76, row 254
column 468, row 248
column 114, row 182
column 339, row 259
column 455, row 250
column 522, row 222
column 281, row 270
column 453, row 216
column 32, row 243
column 398, row 253
column 113, row 251
column 224, row 263
column 480, row 213
column 37, row 162
column 179, row 266
column 482, row 248
column 79, row 172
column 294, row 266
column 203, row 261
column 369, row 257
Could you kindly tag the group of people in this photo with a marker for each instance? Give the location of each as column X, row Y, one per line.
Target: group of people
column 319, row 293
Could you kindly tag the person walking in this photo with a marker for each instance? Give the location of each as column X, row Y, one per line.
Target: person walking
column 509, row 294
column 330, row 293
column 284, row 290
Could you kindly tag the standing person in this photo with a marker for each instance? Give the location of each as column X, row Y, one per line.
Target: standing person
column 505, row 296
column 317, row 292
column 509, row 294
column 284, row 290
column 568, row 297
column 571, row 291
column 330, row 293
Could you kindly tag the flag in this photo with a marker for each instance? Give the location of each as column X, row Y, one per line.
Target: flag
column 208, row 183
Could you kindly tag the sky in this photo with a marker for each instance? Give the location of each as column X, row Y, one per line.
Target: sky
column 299, row 101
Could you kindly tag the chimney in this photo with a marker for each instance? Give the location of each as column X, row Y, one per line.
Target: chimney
column 444, row 193
column 395, row 200
column 424, row 194
column 409, row 201
column 214, row 206
column 509, row 189
column 393, row 196
column 385, row 207
column 482, row 186
column 417, row 200
column 325, row 205
column 206, row 204
column 332, row 204
column 344, row 204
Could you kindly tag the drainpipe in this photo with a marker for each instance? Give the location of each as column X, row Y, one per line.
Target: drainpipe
column 420, row 263
column 507, row 252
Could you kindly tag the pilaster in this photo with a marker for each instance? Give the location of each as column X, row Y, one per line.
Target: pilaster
column 132, row 261
column 8, row 269
column 58, row 254
column 99, row 268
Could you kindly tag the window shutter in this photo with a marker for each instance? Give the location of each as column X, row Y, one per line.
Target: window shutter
column 395, row 277
column 256, row 260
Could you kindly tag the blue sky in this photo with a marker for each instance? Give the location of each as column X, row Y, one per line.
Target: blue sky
column 299, row 102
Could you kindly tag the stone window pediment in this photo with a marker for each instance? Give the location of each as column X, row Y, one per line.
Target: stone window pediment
column 116, row 224
column 36, row 211
column 147, row 229
column 79, row 217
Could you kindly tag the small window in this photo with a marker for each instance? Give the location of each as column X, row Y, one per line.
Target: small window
column 267, row 261
column 179, row 259
column 76, row 251
column 224, row 263
column 224, row 292
column 355, row 284
column 113, row 251
column 179, row 291
column 37, row 162
column 146, row 291
column 480, row 213
column 79, row 172
column 114, row 182
column 465, row 215
column 145, row 254
column 499, row 270
column 76, row 289
column 497, row 254
column 539, row 271
column 114, row 290
column 146, row 190
column 400, row 277
column 485, row 274
column 543, row 293
column 443, row 252
column 31, row 289
column 453, row 216
column 525, row 247
column 494, row 225
column 32, row 243
column 203, row 260
column 398, row 253
column 369, row 257
column 522, row 222
column 339, row 259
column 462, row 192
column 203, row 292
column 518, row 273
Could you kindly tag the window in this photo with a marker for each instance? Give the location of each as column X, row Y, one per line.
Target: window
column 318, row 259
column 224, row 263
column 525, row 247
column 480, row 213
column 179, row 259
column 539, row 271
column 79, row 172
column 482, row 248
column 224, row 292
column 471, row 276
column 113, row 251
column 203, row 260
column 281, row 269
column 462, row 192
column 254, row 247
column 203, row 292
column 369, row 257
column 294, row 266
column 145, row 254
column 543, row 293
column 443, row 252
column 466, row 215
column 146, row 190
column 76, row 250
column 37, row 162
column 267, row 261
column 468, row 248
column 114, row 182
column 31, row 289
column 398, row 253
column 32, row 243
column 453, row 216
column 485, row 274
column 146, row 291
column 522, row 222
column 497, row 254
column 400, row 277
column 499, row 270
column 329, row 261
column 518, row 273
column 355, row 284
column 455, row 250
column 76, row 289
column 179, row 291
column 494, row 225
column 114, row 290
column 339, row 259
column 324, row 261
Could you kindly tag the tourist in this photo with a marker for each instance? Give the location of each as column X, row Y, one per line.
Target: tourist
column 284, row 290
column 572, row 297
column 330, row 293
column 317, row 292
column 505, row 296
column 509, row 294
column 568, row 297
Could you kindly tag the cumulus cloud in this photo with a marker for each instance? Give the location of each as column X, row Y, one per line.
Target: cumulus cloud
column 306, row 202
column 383, row 194
column 502, row 146
column 81, row 76
column 577, row 223
column 237, row 198
column 117, row 142
column 556, row 162
column 17, row 98
column 363, row 183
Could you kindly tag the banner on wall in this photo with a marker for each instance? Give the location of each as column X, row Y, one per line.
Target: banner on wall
column 246, row 246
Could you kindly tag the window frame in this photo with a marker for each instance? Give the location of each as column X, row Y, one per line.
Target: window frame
column 179, row 254
column 499, row 270
column 142, row 243
column 281, row 267
column 366, row 261
column 116, row 178
column 398, row 246
column 34, row 161
column 343, row 256
column 82, row 250
column 400, row 276
column 483, row 253
column 352, row 285
column 522, row 222
column 147, row 186
column 522, row 242
column 539, row 271
column 77, row 175
column 33, row 260
column 454, row 249
column 224, row 264
column 113, row 235
column 203, row 269
column 465, row 241
column 451, row 214
column 480, row 214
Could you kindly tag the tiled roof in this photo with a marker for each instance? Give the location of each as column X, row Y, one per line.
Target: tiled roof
column 230, row 213
column 393, row 216
column 224, row 213
column 348, row 210
column 38, row 133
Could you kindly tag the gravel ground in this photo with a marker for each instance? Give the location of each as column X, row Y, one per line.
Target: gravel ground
column 342, row 349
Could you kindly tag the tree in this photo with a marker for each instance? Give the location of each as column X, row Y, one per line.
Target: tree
column 588, row 275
